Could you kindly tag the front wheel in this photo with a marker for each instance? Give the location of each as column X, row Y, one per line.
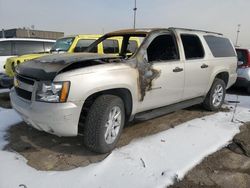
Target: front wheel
column 104, row 123
column 215, row 96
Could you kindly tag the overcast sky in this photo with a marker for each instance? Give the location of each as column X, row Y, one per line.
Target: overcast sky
column 98, row 16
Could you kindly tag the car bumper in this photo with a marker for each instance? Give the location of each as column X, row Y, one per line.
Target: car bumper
column 60, row 119
column 6, row 81
column 242, row 82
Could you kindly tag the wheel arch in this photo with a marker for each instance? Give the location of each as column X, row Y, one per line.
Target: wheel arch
column 124, row 93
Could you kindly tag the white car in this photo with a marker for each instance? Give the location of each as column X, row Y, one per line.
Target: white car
column 10, row 47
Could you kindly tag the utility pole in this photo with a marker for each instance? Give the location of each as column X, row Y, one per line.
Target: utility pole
column 237, row 35
column 135, row 9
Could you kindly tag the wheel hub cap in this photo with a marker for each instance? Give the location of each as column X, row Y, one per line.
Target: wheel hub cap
column 218, row 95
column 113, row 125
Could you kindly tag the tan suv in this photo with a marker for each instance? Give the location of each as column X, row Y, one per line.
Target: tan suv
column 95, row 94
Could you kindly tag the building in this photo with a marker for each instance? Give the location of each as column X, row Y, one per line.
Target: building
column 30, row 33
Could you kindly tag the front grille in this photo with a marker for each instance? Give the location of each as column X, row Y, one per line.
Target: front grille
column 24, row 87
column 23, row 93
column 25, row 80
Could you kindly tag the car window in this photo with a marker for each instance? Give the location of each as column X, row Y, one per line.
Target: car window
column 48, row 46
column 63, row 44
column 192, row 46
column 242, row 56
column 5, row 48
column 110, row 46
column 83, row 44
column 162, row 48
column 132, row 46
column 27, row 47
column 219, row 46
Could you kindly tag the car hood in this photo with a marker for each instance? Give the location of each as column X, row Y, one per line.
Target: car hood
column 47, row 67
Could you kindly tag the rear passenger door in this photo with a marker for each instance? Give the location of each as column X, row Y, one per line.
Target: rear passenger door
column 197, row 69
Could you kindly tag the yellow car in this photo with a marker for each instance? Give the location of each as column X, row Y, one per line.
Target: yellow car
column 73, row 44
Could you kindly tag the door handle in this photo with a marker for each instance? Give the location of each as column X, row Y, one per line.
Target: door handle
column 177, row 69
column 204, row 66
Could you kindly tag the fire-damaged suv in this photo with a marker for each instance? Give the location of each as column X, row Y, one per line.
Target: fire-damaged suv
column 93, row 94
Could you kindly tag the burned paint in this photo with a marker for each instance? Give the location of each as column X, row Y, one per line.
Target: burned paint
column 146, row 76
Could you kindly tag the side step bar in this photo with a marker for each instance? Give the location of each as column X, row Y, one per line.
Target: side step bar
column 143, row 116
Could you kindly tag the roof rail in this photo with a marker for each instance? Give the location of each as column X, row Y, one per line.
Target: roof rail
column 195, row 30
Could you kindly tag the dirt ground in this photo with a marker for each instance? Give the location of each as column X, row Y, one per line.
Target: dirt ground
column 229, row 167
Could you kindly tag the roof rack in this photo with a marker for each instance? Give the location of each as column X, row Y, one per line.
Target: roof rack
column 196, row 30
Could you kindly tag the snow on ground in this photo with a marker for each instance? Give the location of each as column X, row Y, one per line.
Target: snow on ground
column 153, row 161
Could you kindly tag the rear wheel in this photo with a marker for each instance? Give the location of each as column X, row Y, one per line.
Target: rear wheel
column 215, row 96
column 104, row 123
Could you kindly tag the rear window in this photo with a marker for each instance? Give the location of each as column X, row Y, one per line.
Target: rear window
column 27, row 47
column 242, row 56
column 5, row 48
column 110, row 46
column 192, row 46
column 219, row 46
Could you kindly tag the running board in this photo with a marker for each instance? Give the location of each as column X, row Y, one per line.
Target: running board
column 143, row 116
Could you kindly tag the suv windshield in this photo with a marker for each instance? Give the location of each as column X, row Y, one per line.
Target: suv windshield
column 129, row 43
column 62, row 44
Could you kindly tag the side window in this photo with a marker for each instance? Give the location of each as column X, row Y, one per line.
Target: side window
column 5, row 48
column 27, row 47
column 110, row 46
column 192, row 47
column 132, row 46
column 162, row 48
column 48, row 46
column 219, row 46
column 83, row 44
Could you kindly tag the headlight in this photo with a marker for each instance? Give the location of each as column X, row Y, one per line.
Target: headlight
column 53, row 92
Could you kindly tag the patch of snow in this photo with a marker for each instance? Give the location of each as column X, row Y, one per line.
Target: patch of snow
column 153, row 161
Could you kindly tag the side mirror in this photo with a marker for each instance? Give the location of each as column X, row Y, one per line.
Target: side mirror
column 240, row 63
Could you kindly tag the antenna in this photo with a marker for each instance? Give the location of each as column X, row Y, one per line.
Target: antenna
column 135, row 9
column 237, row 35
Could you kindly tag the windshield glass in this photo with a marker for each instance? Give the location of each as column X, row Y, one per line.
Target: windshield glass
column 62, row 44
column 123, row 45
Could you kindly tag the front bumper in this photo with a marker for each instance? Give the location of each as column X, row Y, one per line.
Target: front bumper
column 60, row 119
column 6, row 81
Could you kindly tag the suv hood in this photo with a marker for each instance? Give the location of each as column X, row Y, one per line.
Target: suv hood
column 47, row 67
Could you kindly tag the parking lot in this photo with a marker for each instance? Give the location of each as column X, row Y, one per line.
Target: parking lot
column 228, row 167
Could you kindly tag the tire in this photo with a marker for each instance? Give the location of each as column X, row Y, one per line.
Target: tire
column 218, row 90
column 98, row 136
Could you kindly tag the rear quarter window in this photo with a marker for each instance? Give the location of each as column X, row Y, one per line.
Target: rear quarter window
column 220, row 46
